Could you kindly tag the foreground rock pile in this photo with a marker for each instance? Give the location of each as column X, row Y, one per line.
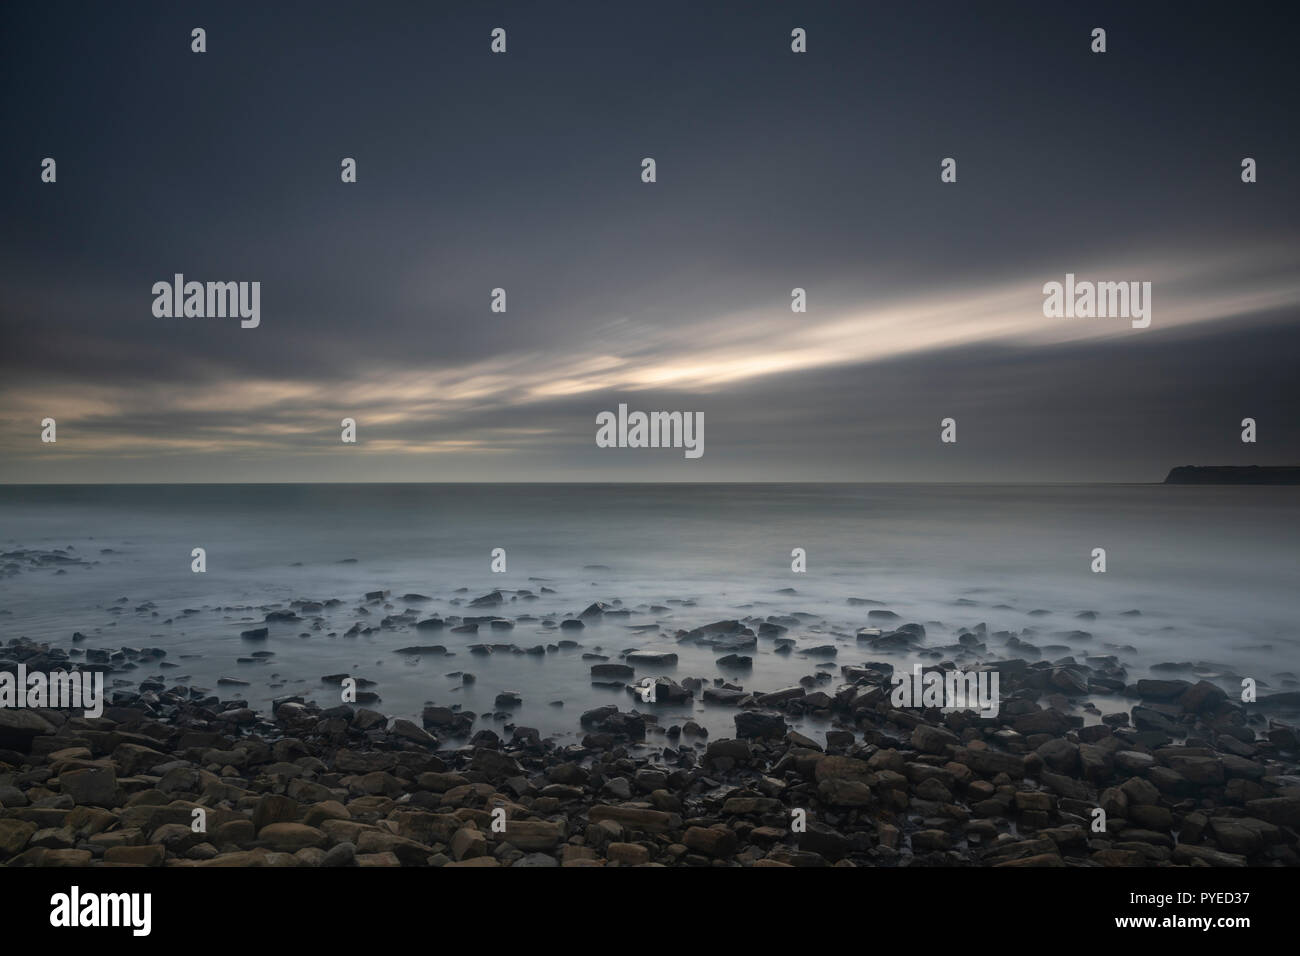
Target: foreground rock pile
column 1198, row 780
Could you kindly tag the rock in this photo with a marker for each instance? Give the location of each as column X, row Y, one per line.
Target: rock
column 723, row 695
column 318, row 813
column 14, row 835
column 933, row 740
column 1202, row 697
column 825, row 841
column 468, row 843
column 1046, row 721
column 654, row 660
column 290, row 837
column 1070, row 680
column 1061, row 755
column 781, row 697
column 1133, row 761
column 236, row 832
column 1148, row 718
column 627, row 854
column 1151, row 817
column 148, row 855
column 93, row 786
column 18, row 726
column 497, row 766
column 1187, row 855
column 844, row 793
column 176, row 837
column 408, row 852
column 652, row 821
column 820, row 650
column 409, row 731
column 534, row 834
column 745, row 806
column 648, row 779
column 1065, row 786
column 724, row 749
column 74, row 858
column 132, row 758
column 752, row 724
column 342, row 853
column 991, row 762
column 274, row 808
column 1032, row 800
column 1161, row 689
column 930, row 840
column 1197, row 769
column 889, row 787
column 1244, row 835
column 715, row 841
column 1282, row 811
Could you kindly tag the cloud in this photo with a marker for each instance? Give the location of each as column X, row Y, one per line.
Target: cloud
column 505, row 403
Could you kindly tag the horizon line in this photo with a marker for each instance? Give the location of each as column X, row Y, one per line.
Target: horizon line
column 74, row 484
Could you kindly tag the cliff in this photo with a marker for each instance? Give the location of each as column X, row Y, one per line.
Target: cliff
column 1234, row 475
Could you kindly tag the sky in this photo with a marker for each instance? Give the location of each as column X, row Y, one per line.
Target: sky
column 523, row 171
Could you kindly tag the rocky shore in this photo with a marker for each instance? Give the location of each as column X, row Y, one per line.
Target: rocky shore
column 1184, row 776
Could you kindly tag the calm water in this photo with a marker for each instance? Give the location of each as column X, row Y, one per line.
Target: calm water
column 1214, row 572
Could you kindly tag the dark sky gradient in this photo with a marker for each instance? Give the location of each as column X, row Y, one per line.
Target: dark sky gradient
column 523, row 171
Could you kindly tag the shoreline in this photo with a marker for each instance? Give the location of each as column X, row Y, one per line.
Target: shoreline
column 1185, row 777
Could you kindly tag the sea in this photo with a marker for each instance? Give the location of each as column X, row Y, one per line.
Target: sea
column 1212, row 572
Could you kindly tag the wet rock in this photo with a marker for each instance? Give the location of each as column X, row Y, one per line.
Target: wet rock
column 755, row 724
column 1162, row 689
column 736, row 662
column 607, row 671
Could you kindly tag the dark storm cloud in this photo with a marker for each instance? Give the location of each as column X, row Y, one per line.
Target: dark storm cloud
column 522, row 171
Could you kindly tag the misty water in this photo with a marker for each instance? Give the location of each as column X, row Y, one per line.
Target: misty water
column 1213, row 572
